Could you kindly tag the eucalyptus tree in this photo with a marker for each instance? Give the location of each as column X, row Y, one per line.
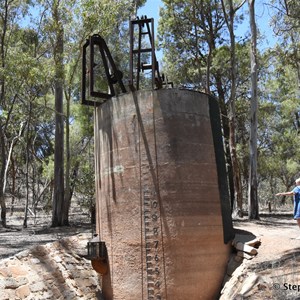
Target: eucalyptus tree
column 29, row 81
column 42, row 72
column 53, row 22
column 22, row 82
column 286, row 25
column 279, row 155
column 64, row 35
column 67, row 31
column 198, row 55
column 284, row 88
column 230, row 11
column 190, row 32
column 109, row 19
column 253, row 208
column 10, row 88
column 40, row 63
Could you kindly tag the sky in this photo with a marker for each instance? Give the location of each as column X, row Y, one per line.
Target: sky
column 151, row 10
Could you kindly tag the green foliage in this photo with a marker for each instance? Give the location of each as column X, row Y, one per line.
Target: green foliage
column 48, row 168
column 185, row 33
column 279, row 132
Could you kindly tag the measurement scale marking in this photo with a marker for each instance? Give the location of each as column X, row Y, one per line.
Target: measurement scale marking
column 152, row 244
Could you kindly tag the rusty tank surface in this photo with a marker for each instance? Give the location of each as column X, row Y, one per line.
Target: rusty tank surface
column 162, row 202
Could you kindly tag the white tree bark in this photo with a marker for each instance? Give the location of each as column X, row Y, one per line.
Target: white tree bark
column 253, row 212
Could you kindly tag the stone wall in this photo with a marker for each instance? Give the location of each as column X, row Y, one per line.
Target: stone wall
column 52, row 271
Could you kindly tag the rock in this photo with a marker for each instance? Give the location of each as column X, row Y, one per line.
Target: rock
column 244, row 255
column 57, row 259
column 17, row 271
column 39, row 250
column 14, row 283
column 7, row 295
column 5, row 272
column 23, row 291
column 47, row 295
column 35, row 261
column 22, row 254
column 233, row 263
column 254, row 243
column 38, row 287
column 249, row 283
column 245, row 248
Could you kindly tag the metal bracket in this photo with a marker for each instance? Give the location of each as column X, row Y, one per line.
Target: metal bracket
column 89, row 73
column 135, row 53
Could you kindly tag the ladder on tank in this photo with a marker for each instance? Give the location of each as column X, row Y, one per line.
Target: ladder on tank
column 145, row 29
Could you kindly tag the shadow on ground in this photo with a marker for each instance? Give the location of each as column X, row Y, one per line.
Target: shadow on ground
column 269, row 220
column 14, row 239
column 292, row 256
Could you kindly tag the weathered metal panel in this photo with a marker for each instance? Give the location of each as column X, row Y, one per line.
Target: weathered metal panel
column 159, row 200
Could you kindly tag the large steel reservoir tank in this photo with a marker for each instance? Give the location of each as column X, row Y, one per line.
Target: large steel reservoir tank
column 161, row 195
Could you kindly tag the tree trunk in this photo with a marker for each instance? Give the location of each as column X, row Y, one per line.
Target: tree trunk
column 226, row 133
column 27, row 168
column 67, row 200
column 58, row 194
column 2, row 172
column 253, row 211
column 238, row 196
column 69, row 179
column 14, row 173
column 27, row 186
column 209, row 31
column 2, row 97
column 4, row 169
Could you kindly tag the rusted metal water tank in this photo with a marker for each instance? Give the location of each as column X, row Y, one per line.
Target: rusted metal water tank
column 162, row 199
